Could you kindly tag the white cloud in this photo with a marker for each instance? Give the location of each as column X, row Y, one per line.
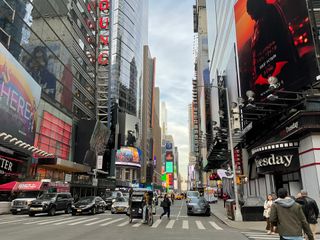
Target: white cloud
column 171, row 43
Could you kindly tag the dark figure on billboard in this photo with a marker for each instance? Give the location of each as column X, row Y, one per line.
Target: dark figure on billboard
column 131, row 139
column 273, row 50
column 37, row 66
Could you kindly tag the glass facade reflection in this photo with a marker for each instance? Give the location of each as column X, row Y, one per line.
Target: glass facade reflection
column 129, row 34
column 51, row 39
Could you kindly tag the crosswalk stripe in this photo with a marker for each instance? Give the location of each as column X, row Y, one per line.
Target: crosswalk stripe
column 13, row 221
column 136, row 225
column 79, row 222
column 170, row 224
column 123, row 224
column 51, row 221
column 68, row 221
column 103, row 220
column 213, row 224
column 185, row 224
column 156, row 223
column 200, row 225
column 111, row 222
column 40, row 221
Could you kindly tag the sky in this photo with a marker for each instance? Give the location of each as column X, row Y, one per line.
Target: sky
column 171, row 43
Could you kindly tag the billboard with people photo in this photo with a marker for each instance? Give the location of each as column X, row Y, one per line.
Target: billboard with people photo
column 274, row 39
column 19, row 99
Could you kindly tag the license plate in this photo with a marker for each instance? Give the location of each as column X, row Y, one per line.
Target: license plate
column 79, row 210
column 18, row 209
column 120, row 209
column 36, row 209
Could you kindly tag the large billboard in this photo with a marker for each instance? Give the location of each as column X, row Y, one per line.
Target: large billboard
column 19, row 99
column 129, row 156
column 274, row 39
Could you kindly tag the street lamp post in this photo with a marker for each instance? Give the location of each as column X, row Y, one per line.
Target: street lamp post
column 238, row 216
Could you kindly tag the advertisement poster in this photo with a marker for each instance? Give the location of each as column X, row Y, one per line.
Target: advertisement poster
column 274, row 39
column 19, row 99
column 128, row 156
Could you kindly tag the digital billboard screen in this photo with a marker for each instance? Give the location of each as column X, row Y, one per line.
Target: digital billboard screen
column 169, row 167
column 274, row 39
column 169, row 156
column 129, row 156
column 19, row 99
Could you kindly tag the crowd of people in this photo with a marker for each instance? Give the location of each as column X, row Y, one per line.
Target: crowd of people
column 292, row 217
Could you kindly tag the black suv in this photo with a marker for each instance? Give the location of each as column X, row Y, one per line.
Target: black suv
column 50, row 203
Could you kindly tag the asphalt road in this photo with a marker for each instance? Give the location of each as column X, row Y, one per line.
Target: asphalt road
column 116, row 226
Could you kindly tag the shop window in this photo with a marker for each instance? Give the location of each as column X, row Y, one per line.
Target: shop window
column 127, row 174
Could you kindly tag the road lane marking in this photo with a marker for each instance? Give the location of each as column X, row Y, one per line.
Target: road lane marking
column 200, row 225
column 185, row 224
column 123, row 224
column 213, row 224
column 136, row 225
column 103, row 220
column 40, row 221
column 113, row 221
column 170, row 224
column 180, row 210
column 51, row 221
column 12, row 221
column 156, row 223
column 68, row 221
column 83, row 221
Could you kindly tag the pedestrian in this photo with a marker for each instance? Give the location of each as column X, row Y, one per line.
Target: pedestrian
column 172, row 197
column 165, row 204
column 310, row 210
column 266, row 213
column 289, row 217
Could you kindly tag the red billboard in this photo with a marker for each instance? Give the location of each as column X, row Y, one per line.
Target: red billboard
column 274, row 39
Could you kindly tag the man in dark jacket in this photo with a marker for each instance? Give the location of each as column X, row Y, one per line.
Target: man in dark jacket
column 289, row 217
column 310, row 210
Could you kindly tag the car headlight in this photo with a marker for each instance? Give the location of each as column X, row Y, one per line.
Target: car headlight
column 73, row 206
column 113, row 200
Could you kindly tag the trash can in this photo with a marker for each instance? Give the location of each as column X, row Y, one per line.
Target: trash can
column 230, row 206
column 252, row 209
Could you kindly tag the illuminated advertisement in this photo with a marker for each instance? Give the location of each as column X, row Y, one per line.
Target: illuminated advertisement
column 54, row 136
column 169, row 167
column 170, row 179
column 169, row 156
column 275, row 45
column 129, row 156
column 19, row 99
column 168, row 146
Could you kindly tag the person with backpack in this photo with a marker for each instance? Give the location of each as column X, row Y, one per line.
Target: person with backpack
column 165, row 204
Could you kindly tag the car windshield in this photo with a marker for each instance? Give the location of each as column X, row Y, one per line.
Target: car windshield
column 32, row 194
column 110, row 194
column 194, row 200
column 86, row 200
column 121, row 199
column 193, row 194
column 47, row 196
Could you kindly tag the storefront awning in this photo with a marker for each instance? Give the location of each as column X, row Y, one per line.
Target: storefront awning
column 8, row 187
column 64, row 165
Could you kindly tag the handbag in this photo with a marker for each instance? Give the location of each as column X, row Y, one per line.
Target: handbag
column 162, row 204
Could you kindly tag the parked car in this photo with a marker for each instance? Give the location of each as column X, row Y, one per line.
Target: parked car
column 91, row 205
column 110, row 197
column 120, row 205
column 50, row 203
column 22, row 202
column 199, row 206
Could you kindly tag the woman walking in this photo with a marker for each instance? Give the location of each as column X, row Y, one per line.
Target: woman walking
column 266, row 213
column 165, row 204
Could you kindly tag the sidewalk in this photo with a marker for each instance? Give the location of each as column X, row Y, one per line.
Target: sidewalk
column 218, row 210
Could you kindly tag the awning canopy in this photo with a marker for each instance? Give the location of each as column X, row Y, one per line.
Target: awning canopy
column 8, row 187
column 63, row 165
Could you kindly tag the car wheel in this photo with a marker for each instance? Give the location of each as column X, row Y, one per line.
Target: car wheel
column 31, row 214
column 14, row 213
column 68, row 210
column 73, row 213
column 93, row 211
column 52, row 211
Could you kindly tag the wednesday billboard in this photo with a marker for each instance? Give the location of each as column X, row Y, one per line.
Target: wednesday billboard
column 274, row 39
column 19, row 99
